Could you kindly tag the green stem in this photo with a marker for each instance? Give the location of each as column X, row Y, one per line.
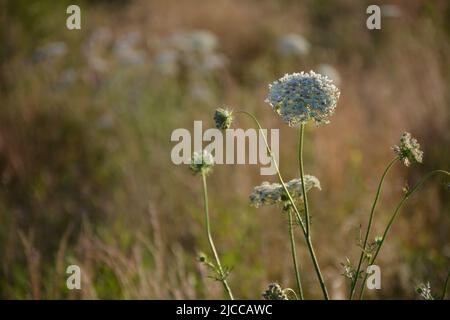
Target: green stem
column 211, row 242
column 294, row 255
column 297, row 213
column 394, row 215
column 444, row 291
column 302, row 177
column 369, row 226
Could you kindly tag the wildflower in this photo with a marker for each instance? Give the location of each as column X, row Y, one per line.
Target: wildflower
column 425, row 291
column 293, row 44
column 408, row 150
column 202, row 162
column 223, row 118
column 300, row 97
column 274, row 292
column 272, row 193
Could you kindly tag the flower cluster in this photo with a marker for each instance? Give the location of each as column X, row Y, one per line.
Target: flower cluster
column 273, row 193
column 408, row 150
column 202, row 162
column 300, row 97
column 274, row 292
column 223, row 118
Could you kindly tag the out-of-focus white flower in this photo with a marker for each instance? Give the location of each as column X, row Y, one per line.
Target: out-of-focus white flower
column 408, row 150
column 127, row 50
column 50, row 50
column 293, row 44
column 200, row 41
column 96, row 49
column 300, row 97
column 390, row 10
column 214, row 61
column 330, row 71
column 273, row 193
column 167, row 62
column 202, row 162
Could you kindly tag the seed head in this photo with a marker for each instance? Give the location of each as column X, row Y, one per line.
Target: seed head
column 408, row 150
column 300, row 97
column 223, row 118
column 202, row 162
column 274, row 292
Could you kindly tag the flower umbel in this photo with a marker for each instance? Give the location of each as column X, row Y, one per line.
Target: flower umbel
column 274, row 292
column 202, row 162
column 223, row 118
column 408, row 150
column 273, row 193
column 300, row 97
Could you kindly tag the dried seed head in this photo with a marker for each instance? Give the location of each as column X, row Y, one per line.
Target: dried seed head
column 300, row 97
column 273, row 193
column 274, row 292
column 202, row 162
column 223, row 118
column 408, row 150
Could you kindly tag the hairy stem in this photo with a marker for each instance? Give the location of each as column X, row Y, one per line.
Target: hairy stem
column 394, row 215
column 297, row 213
column 211, row 242
column 369, row 226
column 294, row 256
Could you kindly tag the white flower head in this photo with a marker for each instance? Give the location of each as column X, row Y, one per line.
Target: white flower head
column 408, row 150
column 293, row 44
column 273, row 193
column 202, row 162
column 300, row 97
column 223, row 118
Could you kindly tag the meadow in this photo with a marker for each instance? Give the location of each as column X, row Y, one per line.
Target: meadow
column 86, row 118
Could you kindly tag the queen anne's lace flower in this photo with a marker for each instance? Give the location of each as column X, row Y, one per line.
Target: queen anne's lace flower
column 408, row 150
column 202, row 162
column 273, row 193
column 274, row 292
column 223, row 118
column 299, row 97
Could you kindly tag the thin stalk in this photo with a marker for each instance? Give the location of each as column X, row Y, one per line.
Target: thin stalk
column 444, row 291
column 294, row 256
column 394, row 215
column 211, row 242
column 369, row 226
column 302, row 177
column 297, row 213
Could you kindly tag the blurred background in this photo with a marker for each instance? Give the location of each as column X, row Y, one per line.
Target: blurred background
column 85, row 124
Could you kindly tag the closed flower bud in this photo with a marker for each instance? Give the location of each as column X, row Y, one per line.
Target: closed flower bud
column 274, row 292
column 223, row 118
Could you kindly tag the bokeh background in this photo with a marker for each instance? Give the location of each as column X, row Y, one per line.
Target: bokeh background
column 85, row 124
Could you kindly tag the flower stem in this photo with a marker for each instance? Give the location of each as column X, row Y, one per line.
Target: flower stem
column 394, row 215
column 294, row 256
column 211, row 242
column 369, row 226
column 444, row 291
column 302, row 177
column 297, row 213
